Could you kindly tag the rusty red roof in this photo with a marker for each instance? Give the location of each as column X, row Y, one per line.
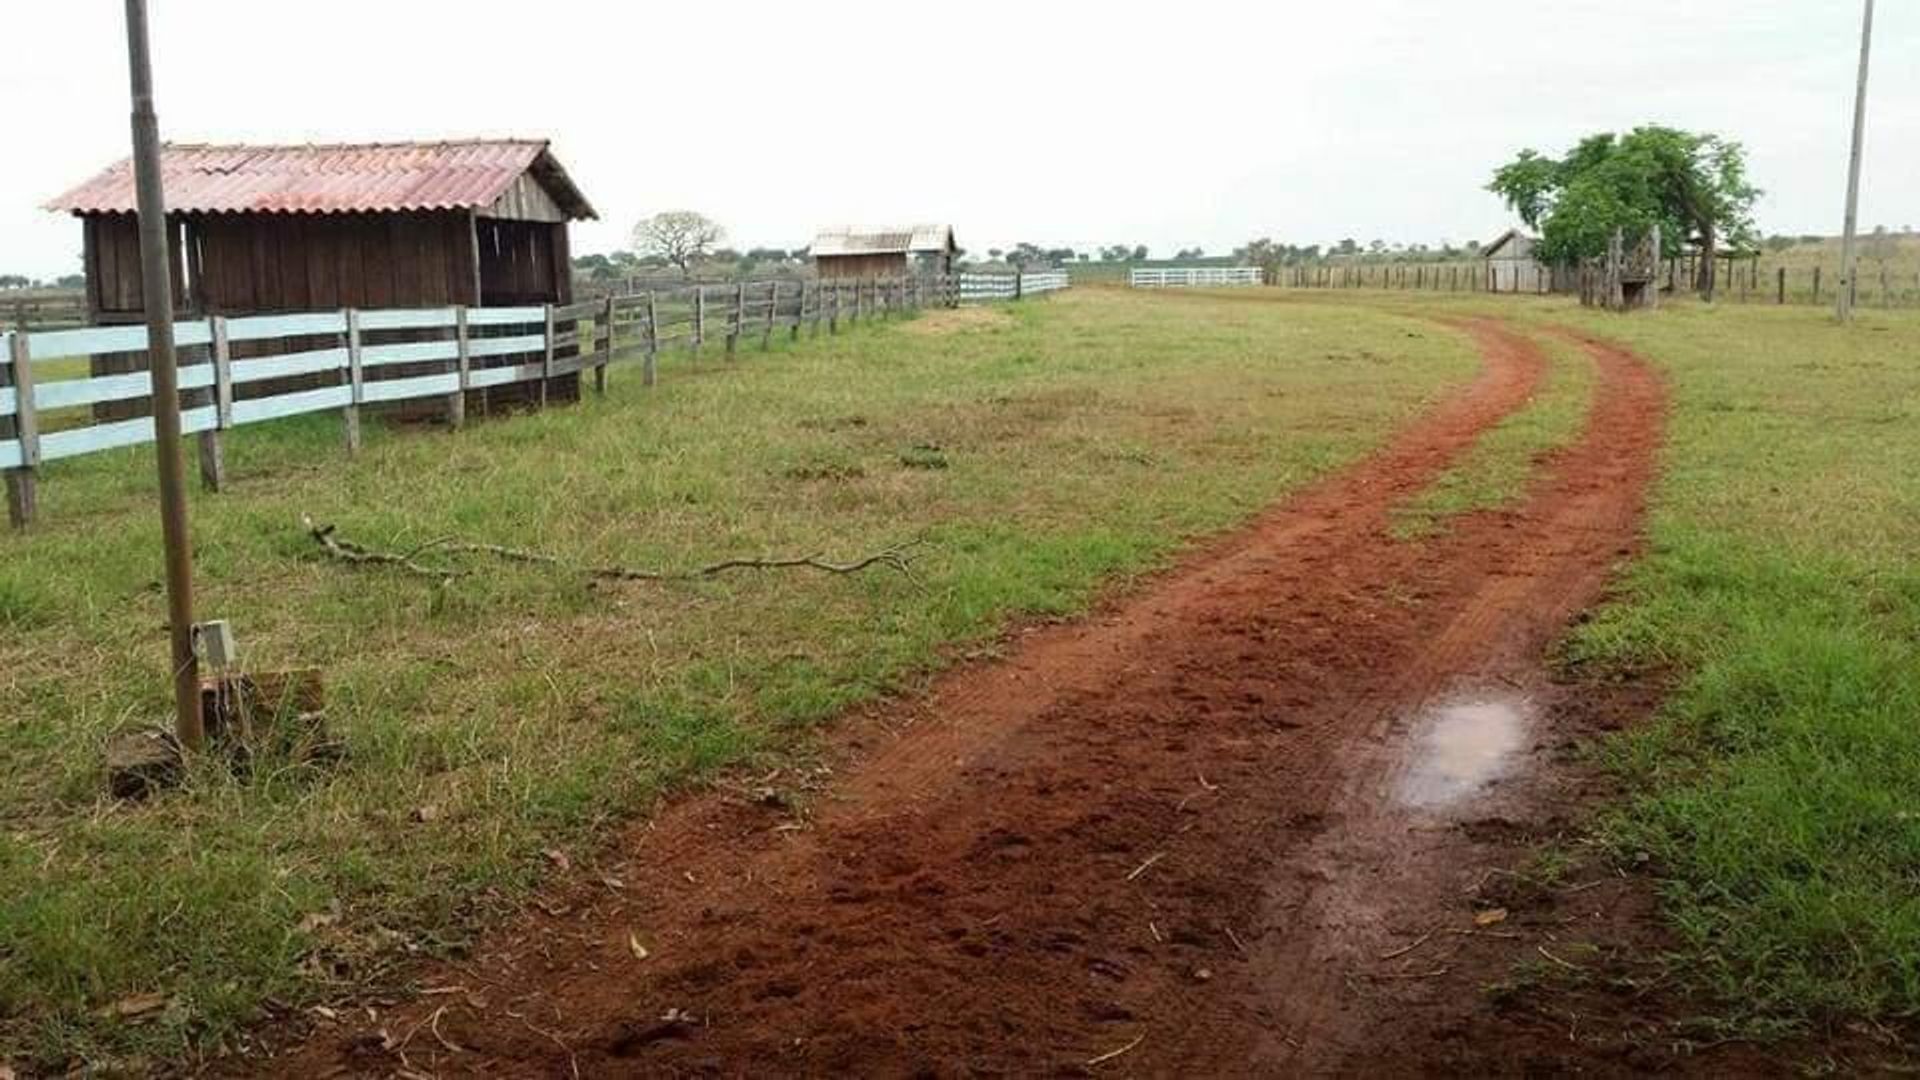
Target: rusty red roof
column 334, row 179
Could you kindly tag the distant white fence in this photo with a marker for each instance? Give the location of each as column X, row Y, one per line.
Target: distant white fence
column 983, row 288
column 1186, row 277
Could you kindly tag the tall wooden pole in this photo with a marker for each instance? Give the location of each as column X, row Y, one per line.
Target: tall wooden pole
column 1848, row 267
column 157, row 287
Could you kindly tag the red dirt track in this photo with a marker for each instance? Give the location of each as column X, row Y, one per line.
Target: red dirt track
column 1185, row 836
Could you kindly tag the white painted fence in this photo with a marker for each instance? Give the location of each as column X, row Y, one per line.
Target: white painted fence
column 357, row 367
column 52, row 385
column 1184, row 277
column 984, row 288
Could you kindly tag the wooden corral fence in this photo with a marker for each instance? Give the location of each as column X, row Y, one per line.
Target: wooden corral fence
column 234, row 371
column 1429, row 277
column 986, row 288
column 44, row 311
column 1743, row 279
column 1186, row 277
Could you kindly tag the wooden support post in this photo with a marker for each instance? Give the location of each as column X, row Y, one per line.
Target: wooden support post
column 773, row 312
column 350, row 415
column 1816, row 284
column 462, row 370
column 1782, row 290
column 222, row 371
column 833, row 313
column 699, row 318
column 213, row 458
column 23, row 425
column 735, row 317
column 604, row 351
column 799, row 316
column 546, row 356
column 648, row 365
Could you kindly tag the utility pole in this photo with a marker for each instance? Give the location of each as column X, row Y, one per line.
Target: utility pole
column 1849, row 269
column 157, row 287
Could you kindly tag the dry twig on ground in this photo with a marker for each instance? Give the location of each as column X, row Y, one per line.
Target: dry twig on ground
column 898, row 557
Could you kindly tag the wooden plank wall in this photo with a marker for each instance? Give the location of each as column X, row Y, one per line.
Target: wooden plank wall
column 267, row 263
column 861, row 267
column 111, row 249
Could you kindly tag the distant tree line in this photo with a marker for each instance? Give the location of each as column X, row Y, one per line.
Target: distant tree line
column 23, row 281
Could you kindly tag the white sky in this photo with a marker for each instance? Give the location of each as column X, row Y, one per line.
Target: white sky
column 1199, row 123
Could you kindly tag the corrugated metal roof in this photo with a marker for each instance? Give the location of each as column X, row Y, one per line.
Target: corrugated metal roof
column 333, row 179
column 882, row 241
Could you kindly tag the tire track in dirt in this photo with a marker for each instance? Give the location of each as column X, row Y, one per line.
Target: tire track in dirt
column 1178, row 827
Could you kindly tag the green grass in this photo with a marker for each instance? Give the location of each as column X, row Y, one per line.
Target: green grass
column 1497, row 471
column 1777, row 790
column 1044, row 454
column 1775, row 795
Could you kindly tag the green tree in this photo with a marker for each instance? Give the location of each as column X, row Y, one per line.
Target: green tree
column 1693, row 185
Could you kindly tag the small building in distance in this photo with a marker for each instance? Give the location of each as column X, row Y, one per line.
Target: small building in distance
column 1511, row 266
column 883, row 253
column 261, row 229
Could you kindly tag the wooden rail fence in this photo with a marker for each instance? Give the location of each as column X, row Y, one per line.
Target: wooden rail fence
column 244, row 370
column 986, row 288
column 1186, row 277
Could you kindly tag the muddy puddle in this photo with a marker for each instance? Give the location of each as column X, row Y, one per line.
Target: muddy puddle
column 1461, row 747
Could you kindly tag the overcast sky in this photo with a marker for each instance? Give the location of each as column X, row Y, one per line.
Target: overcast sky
column 1198, row 123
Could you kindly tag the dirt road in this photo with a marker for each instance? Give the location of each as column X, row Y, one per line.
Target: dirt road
column 1201, row 833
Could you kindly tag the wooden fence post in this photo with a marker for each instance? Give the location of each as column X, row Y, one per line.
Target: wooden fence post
column 773, row 310
column 1782, row 274
column 1816, row 285
column 734, row 319
column 699, row 318
column 213, row 458
column 350, row 415
column 833, row 313
column 23, row 425
column 648, row 365
column 604, row 352
column 462, row 369
column 799, row 316
column 546, row 356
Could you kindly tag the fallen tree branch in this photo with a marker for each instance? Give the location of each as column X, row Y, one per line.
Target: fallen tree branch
column 898, row 557
column 348, row 551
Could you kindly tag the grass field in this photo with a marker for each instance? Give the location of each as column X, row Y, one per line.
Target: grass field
column 1042, row 452
column 1774, row 796
column 1777, row 792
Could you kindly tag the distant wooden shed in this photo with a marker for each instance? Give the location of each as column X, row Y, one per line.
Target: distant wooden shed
column 884, row 253
column 259, row 229
column 1511, row 265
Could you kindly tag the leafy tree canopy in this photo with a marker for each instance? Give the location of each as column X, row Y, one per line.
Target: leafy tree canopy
column 1693, row 185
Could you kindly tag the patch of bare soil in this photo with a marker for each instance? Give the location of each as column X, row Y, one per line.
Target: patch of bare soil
column 1268, row 816
column 956, row 320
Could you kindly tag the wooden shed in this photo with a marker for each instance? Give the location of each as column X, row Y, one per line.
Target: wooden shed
column 258, row 229
column 1511, row 266
column 272, row 229
column 884, row 253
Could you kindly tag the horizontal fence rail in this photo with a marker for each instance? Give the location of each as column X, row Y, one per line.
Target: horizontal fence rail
column 65, row 393
column 1186, row 277
column 980, row 288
